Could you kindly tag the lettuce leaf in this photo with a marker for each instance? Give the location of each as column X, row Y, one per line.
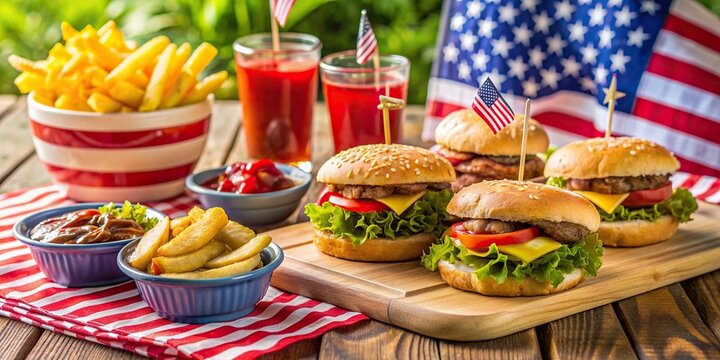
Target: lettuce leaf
column 681, row 205
column 130, row 212
column 557, row 182
column 550, row 267
column 425, row 215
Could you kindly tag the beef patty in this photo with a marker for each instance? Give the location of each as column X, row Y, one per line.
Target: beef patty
column 495, row 168
column 376, row 192
column 564, row 232
column 619, row 184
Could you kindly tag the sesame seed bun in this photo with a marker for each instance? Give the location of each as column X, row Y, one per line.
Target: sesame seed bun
column 614, row 156
column 635, row 233
column 461, row 276
column 374, row 250
column 381, row 164
column 463, row 130
column 509, row 200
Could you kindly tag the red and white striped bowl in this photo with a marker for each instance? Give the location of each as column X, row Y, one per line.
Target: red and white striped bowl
column 138, row 156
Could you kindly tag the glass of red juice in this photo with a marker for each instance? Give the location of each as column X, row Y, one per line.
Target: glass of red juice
column 351, row 92
column 278, row 90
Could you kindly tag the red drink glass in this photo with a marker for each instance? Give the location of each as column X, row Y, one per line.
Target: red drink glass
column 351, row 93
column 278, row 91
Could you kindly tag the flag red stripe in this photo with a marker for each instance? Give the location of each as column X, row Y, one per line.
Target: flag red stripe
column 568, row 123
column 481, row 112
column 489, row 115
column 683, row 72
column 690, row 166
column 691, row 31
column 440, row 109
column 677, row 119
column 508, row 116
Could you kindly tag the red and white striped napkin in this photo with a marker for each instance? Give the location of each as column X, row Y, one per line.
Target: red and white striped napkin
column 116, row 316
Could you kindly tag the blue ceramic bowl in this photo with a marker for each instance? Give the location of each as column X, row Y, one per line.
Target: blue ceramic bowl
column 194, row 301
column 74, row 265
column 252, row 209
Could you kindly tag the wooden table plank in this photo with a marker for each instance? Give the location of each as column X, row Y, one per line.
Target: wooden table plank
column 375, row 340
column 521, row 345
column 30, row 173
column 303, row 350
column 223, row 134
column 6, row 101
column 56, row 346
column 592, row 334
column 16, row 145
column 16, row 338
column 664, row 324
column 704, row 292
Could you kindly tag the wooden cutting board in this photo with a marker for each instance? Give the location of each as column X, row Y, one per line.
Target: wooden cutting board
column 409, row 296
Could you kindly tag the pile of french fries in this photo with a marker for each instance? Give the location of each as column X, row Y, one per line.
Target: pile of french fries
column 98, row 70
column 202, row 245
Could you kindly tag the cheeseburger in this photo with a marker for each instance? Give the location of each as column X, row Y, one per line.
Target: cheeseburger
column 381, row 202
column 628, row 179
column 517, row 239
column 464, row 139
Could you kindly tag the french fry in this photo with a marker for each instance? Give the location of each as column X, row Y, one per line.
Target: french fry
column 112, row 37
column 23, row 64
column 72, row 102
column 96, row 75
column 229, row 270
column 196, row 213
column 103, row 104
column 199, row 59
column 78, row 60
column 45, row 97
column 206, row 87
column 107, row 26
column 126, row 93
column 105, row 57
column 67, row 31
column 196, row 235
column 59, row 52
column 181, row 55
column 29, row 81
column 126, row 109
column 139, row 79
column 138, row 59
column 156, row 86
column 187, row 262
column 179, row 224
column 252, row 248
column 234, row 235
column 149, row 243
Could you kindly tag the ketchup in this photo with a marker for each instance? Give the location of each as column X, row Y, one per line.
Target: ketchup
column 250, row 178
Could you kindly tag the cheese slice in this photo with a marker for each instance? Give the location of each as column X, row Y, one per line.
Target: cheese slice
column 607, row 202
column 527, row 251
column 531, row 250
column 399, row 203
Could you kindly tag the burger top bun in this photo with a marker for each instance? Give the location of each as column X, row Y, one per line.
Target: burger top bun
column 509, row 200
column 463, row 130
column 381, row 164
column 614, row 156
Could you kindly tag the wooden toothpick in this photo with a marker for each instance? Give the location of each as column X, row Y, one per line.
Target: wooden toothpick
column 523, row 150
column 611, row 95
column 388, row 103
column 274, row 29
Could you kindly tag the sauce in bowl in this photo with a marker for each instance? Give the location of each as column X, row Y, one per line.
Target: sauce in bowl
column 87, row 226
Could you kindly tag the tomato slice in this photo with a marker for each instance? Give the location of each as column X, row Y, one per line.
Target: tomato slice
column 354, row 205
column 481, row 242
column 453, row 161
column 643, row 198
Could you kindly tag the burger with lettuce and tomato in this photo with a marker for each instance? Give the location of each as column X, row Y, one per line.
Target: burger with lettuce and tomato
column 381, row 202
column 628, row 179
column 517, row 239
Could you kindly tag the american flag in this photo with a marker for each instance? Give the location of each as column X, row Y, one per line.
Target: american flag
column 366, row 42
column 281, row 10
column 666, row 55
column 491, row 107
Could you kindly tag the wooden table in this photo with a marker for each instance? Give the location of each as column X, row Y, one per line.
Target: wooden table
column 678, row 321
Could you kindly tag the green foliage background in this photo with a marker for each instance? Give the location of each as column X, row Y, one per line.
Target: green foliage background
column 406, row 27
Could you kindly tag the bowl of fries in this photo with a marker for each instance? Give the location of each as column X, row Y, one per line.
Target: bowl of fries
column 114, row 120
column 201, row 268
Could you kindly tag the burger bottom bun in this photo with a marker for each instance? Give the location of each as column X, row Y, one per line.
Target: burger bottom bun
column 637, row 232
column 461, row 276
column 374, row 250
